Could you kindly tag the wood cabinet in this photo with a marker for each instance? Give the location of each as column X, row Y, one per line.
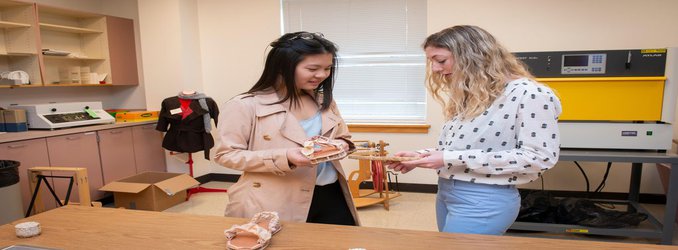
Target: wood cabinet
column 148, row 152
column 30, row 153
column 116, row 149
column 76, row 150
column 83, row 36
column 108, row 155
column 18, row 41
column 82, row 47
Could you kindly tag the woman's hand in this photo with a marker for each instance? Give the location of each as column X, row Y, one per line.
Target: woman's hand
column 398, row 166
column 296, row 158
column 432, row 160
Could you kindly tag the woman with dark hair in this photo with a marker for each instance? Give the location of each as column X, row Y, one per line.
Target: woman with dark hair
column 502, row 130
column 265, row 128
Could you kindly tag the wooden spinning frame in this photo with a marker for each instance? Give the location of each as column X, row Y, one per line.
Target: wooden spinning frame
column 371, row 165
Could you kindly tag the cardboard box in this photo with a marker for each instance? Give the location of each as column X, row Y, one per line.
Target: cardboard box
column 155, row 191
column 15, row 120
column 136, row 116
column 2, row 121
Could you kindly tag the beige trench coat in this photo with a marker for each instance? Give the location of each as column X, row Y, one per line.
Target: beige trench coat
column 254, row 138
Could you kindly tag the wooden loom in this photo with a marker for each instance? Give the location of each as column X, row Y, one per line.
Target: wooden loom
column 371, row 158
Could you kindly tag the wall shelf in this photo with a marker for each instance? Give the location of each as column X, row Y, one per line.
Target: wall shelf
column 73, row 58
column 17, row 54
column 11, row 25
column 19, row 41
column 19, row 86
column 69, row 29
column 100, row 46
column 76, row 85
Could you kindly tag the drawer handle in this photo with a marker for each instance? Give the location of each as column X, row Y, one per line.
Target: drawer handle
column 16, row 146
column 148, row 127
column 72, row 138
column 116, row 132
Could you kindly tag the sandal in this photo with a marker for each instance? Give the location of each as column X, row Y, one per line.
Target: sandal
column 321, row 149
column 256, row 234
column 268, row 220
column 247, row 236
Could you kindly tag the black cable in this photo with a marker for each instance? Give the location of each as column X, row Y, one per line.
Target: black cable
column 542, row 182
column 585, row 177
column 602, row 182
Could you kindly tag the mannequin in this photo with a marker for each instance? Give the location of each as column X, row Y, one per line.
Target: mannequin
column 186, row 120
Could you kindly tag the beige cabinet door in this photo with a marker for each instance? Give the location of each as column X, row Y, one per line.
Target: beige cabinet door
column 148, row 152
column 76, row 150
column 122, row 51
column 117, row 154
column 30, row 153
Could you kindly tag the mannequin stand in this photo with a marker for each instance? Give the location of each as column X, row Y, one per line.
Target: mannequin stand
column 198, row 189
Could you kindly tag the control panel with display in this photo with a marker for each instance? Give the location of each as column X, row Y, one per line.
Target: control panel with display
column 583, row 64
column 70, row 117
column 595, row 63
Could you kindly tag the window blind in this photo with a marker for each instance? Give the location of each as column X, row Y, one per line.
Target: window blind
column 381, row 64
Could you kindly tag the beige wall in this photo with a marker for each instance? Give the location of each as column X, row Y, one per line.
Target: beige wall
column 234, row 35
column 534, row 25
column 218, row 47
column 212, row 46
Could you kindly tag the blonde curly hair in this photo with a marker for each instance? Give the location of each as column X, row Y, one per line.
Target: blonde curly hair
column 480, row 71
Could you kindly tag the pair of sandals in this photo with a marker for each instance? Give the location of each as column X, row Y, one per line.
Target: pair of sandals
column 255, row 234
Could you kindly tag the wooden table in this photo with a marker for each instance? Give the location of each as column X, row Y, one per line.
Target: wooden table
column 79, row 227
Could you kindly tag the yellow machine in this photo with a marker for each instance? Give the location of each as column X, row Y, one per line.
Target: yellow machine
column 612, row 99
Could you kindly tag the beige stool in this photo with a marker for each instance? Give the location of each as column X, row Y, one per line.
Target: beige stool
column 80, row 180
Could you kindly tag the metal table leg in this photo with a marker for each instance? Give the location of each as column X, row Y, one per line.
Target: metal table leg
column 634, row 185
column 670, row 209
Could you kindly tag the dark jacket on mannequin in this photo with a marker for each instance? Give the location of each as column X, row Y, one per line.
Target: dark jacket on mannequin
column 190, row 134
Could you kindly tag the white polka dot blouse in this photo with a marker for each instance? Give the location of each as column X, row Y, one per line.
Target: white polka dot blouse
column 513, row 142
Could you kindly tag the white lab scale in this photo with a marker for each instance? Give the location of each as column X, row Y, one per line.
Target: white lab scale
column 64, row 115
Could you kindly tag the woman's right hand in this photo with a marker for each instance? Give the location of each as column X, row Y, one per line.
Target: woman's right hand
column 296, row 158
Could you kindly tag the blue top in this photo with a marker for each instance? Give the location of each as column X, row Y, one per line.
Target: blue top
column 325, row 173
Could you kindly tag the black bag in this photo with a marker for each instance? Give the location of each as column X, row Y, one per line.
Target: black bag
column 540, row 206
column 586, row 213
column 537, row 206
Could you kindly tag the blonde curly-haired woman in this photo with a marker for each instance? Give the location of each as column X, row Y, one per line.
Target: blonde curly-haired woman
column 501, row 131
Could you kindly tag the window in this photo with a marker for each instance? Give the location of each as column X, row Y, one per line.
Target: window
column 381, row 70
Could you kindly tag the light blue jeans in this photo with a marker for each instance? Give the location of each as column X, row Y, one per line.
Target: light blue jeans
column 474, row 208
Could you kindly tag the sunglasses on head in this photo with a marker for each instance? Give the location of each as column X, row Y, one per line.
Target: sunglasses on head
column 308, row 36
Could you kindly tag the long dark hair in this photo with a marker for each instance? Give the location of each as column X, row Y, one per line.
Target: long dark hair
column 282, row 60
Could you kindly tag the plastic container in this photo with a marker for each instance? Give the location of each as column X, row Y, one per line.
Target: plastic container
column 10, row 192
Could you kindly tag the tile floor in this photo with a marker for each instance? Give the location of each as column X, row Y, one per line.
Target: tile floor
column 413, row 211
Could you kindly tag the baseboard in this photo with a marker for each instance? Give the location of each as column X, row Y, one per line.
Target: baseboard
column 433, row 188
